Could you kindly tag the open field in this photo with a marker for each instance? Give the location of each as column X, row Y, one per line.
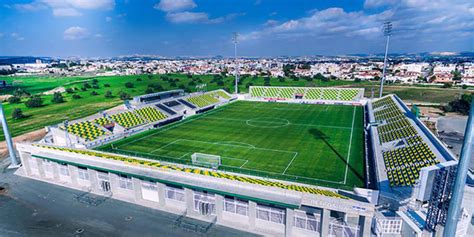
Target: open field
column 315, row 144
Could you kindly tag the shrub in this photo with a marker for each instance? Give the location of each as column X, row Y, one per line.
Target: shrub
column 76, row 96
column 87, row 85
column 106, row 85
column 83, row 89
column 129, row 85
column 14, row 99
column 95, row 86
column 17, row 114
column 94, row 93
column 34, row 102
column 124, row 96
column 139, row 79
column 69, row 90
column 220, row 83
column 108, row 94
column 181, row 86
column 149, row 90
column 95, row 81
column 57, row 98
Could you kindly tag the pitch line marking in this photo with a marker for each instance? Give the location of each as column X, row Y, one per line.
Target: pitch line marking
column 244, row 164
column 288, row 166
column 169, row 144
column 350, row 143
column 297, row 124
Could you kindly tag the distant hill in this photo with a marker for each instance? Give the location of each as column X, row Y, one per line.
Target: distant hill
column 7, row 60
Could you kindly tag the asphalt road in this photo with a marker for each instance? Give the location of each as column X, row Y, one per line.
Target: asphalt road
column 34, row 208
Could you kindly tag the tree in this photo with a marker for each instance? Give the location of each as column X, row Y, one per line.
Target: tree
column 69, row 90
column 95, row 81
column 21, row 92
column 87, row 85
column 106, row 85
column 17, row 114
column 14, row 99
column 94, row 93
column 95, row 86
column 34, row 102
column 108, row 94
column 149, row 90
column 456, row 75
column 460, row 105
column 139, row 79
column 76, row 96
column 57, row 98
column 129, row 85
column 124, row 96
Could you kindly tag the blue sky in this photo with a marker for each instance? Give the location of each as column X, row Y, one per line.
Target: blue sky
column 94, row 28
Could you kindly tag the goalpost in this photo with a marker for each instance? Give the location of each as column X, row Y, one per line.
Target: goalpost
column 206, row 160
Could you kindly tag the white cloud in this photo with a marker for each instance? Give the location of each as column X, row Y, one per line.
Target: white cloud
column 66, row 12
column 187, row 17
column 175, row 5
column 75, row 33
column 66, row 7
column 17, row 36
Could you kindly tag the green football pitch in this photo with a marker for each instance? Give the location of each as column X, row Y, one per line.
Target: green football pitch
column 314, row 144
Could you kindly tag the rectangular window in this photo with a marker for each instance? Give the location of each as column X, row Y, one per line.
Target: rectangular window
column 204, row 203
column 48, row 166
column 271, row 214
column 125, row 182
column 63, row 169
column 306, row 221
column 174, row 193
column 236, row 206
column 82, row 173
column 102, row 176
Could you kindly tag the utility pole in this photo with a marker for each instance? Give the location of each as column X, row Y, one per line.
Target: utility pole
column 387, row 30
column 235, row 36
column 11, row 151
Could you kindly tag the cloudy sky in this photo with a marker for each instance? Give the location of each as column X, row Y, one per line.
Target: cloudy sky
column 204, row 27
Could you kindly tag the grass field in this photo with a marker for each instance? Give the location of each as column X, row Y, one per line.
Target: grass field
column 315, row 144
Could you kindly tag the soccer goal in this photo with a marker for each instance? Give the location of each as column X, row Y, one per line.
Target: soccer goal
column 206, row 160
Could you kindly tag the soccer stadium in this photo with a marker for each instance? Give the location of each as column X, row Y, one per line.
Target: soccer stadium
column 277, row 161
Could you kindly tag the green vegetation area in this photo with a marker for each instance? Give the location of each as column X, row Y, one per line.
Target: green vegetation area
column 89, row 95
column 314, row 144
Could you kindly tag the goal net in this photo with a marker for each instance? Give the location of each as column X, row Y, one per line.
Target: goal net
column 206, row 160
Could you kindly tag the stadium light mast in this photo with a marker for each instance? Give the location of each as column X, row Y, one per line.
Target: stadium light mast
column 454, row 210
column 11, row 150
column 387, row 31
column 235, row 36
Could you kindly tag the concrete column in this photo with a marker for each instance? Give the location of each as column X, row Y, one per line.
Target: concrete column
column 56, row 172
column 73, row 173
column 137, row 189
column 365, row 225
column 26, row 162
column 290, row 219
column 39, row 164
column 94, row 181
column 325, row 214
column 161, row 194
column 189, row 196
column 219, row 207
column 114, row 185
column 252, row 214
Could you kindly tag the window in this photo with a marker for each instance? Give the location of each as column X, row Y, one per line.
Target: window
column 149, row 186
column 204, row 203
column 306, row 221
column 82, row 173
column 174, row 193
column 236, row 206
column 48, row 166
column 149, row 191
column 271, row 214
column 125, row 182
column 102, row 176
column 63, row 170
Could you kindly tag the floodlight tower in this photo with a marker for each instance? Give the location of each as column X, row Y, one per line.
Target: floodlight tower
column 387, row 30
column 11, row 150
column 235, row 36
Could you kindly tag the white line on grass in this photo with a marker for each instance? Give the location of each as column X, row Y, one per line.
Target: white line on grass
column 288, row 166
column 270, row 122
column 350, row 143
column 169, row 144
column 244, row 164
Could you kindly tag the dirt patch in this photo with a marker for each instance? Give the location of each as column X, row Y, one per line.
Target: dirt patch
column 58, row 89
column 27, row 137
column 5, row 97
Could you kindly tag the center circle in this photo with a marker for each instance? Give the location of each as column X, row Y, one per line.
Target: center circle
column 267, row 122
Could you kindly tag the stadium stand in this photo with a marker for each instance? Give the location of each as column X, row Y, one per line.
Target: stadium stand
column 223, row 94
column 203, row 100
column 86, row 130
column 184, row 102
column 127, row 119
column 166, row 109
column 308, row 93
column 151, row 114
column 404, row 164
column 198, row 171
column 102, row 121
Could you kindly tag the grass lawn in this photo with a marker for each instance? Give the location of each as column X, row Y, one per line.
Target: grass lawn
column 315, row 144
